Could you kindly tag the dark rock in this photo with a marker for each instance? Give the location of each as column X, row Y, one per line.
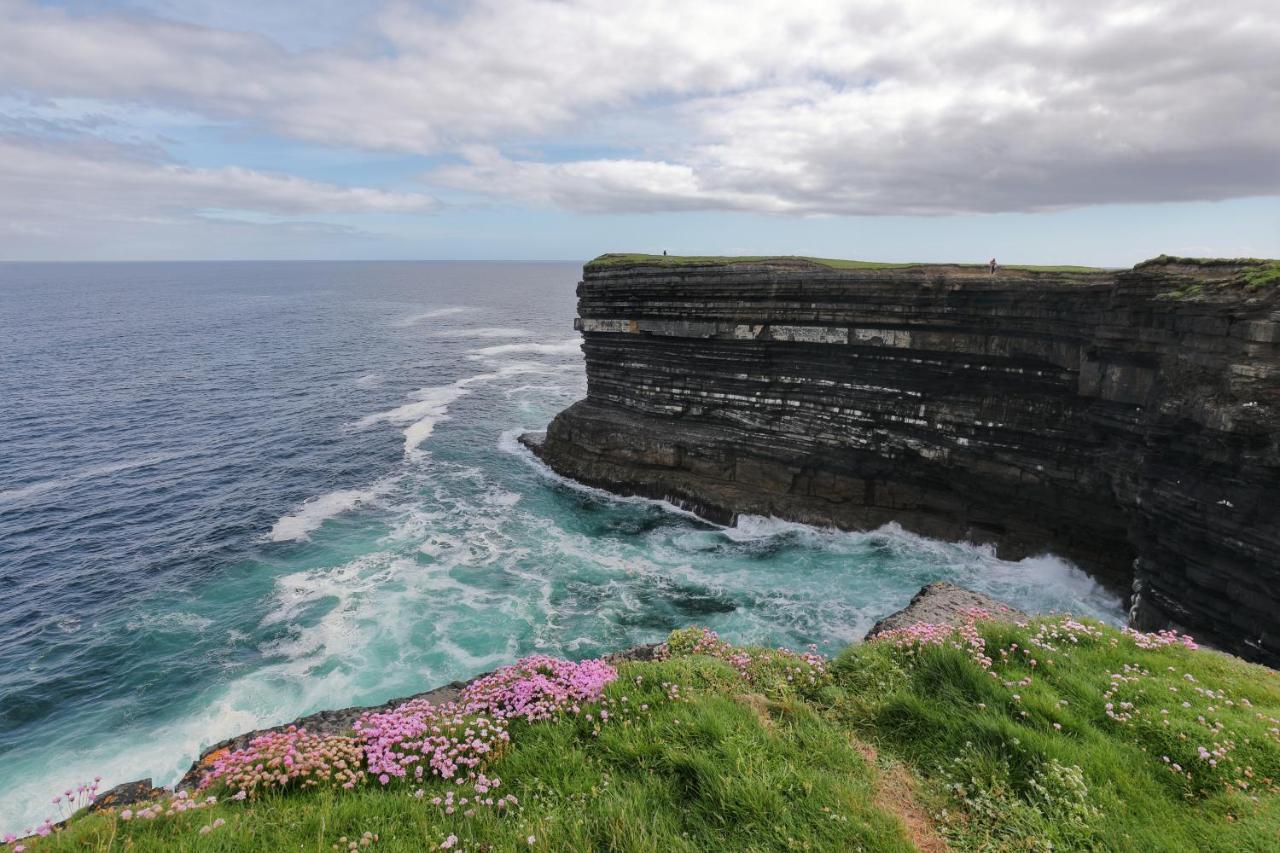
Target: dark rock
column 1128, row 420
column 127, row 794
column 943, row 603
column 635, row 653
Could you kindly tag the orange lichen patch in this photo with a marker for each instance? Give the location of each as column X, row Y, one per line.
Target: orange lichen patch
column 896, row 794
column 208, row 759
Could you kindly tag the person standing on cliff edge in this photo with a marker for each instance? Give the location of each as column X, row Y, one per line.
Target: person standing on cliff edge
column 993, row 266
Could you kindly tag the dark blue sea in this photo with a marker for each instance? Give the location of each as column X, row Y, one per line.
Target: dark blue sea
column 234, row 493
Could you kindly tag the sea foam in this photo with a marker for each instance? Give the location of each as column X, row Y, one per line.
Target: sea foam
column 31, row 490
column 415, row 319
column 571, row 346
column 431, row 404
column 315, row 511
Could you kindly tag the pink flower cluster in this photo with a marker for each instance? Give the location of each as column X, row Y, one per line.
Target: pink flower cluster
column 423, row 739
column 1159, row 639
column 538, row 687
column 483, row 788
column 368, row 839
column 293, row 757
column 964, row 637
column 807, row 666
column 179, row 803
column 68, row 802
column 218, row 823
column 1063, row 631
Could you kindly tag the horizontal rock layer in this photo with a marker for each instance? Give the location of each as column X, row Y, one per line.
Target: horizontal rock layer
column 1129, row 420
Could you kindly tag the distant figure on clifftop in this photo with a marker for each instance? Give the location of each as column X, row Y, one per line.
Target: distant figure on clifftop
column 993, row 266
column 664, row 253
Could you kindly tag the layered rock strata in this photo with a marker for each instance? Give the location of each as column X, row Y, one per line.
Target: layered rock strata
column 1128, row 420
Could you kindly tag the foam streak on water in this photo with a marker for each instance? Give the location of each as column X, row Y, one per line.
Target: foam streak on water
column 232, row 494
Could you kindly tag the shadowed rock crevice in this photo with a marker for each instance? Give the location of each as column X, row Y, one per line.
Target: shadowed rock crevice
column 1128, row 420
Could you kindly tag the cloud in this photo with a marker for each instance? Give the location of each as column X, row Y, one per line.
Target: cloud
column 53, row 189
column 870, row 107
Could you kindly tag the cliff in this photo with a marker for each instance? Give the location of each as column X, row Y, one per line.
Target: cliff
column 1129, row 420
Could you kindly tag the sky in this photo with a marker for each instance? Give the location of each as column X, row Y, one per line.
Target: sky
column 1037, row 131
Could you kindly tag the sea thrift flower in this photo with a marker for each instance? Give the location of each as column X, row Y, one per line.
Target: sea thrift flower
column 808, row 666
column 290, row 758
column 538, row 687
column 446, row 740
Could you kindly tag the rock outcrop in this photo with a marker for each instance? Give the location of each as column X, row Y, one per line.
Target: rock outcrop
column 942, row 603
column 1128, row 420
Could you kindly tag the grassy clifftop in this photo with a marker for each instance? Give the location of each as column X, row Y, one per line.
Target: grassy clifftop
column 624, row 260
column 1061, row 734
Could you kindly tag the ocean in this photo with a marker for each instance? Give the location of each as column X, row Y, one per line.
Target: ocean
column 235, row 493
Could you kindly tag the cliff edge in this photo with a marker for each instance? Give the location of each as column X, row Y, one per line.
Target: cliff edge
column 1126, row 419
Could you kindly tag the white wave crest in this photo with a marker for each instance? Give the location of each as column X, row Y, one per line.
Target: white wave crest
column 316, row 511
column 508, row 442
column 572, row 346
column 431, row 404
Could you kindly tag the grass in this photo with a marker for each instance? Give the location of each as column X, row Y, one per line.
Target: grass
column 618, row 260
column 1052, row 736
column 1267, row 274
column 1254, row 273
column 995, row 759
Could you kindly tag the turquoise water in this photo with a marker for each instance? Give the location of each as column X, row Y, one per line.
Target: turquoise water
column 232, row 494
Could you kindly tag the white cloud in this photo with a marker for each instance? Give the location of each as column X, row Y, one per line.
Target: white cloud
column 877, row 106
column 51, row 189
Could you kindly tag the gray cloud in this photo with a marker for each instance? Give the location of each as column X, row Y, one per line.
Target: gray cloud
column 880, row 107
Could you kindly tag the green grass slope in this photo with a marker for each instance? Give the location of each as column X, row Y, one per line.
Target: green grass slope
column 1058, row 735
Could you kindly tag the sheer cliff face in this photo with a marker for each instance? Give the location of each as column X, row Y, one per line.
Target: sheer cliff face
column 1128, row 420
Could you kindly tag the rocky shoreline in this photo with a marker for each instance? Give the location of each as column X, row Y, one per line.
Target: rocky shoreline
column 1126, row 419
